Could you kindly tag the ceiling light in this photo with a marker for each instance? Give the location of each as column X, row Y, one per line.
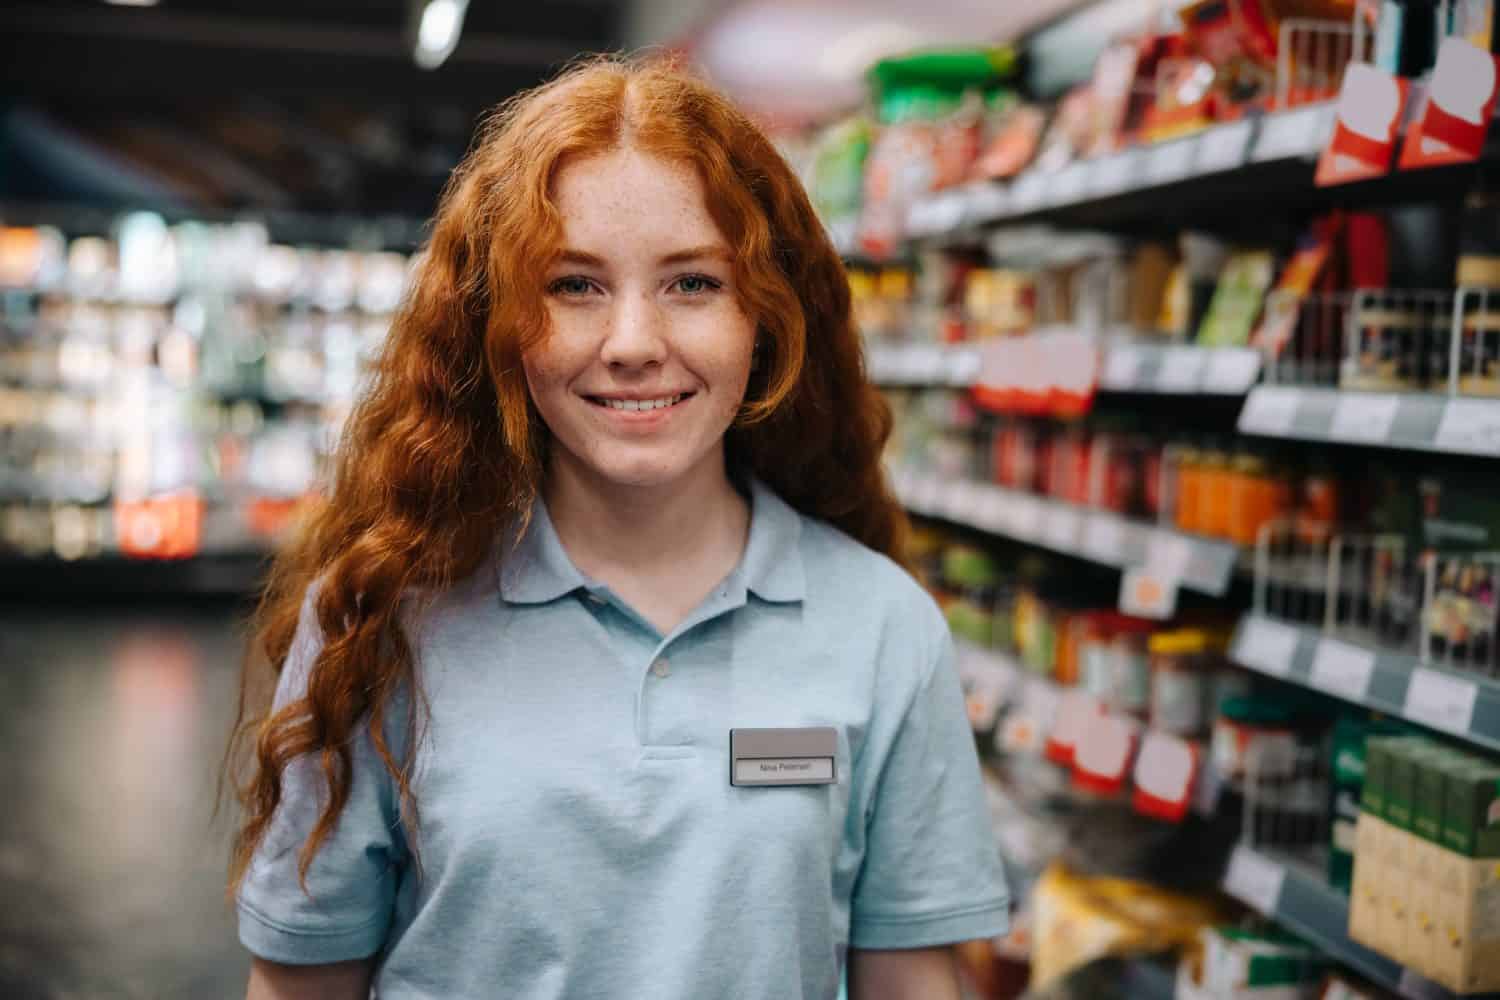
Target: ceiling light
column 438, row 30
column 133, row 3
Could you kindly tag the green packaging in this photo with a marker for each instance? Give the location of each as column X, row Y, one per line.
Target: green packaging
column 1432, row 770
column 1401, row 782
column 1471, row 813
column 1377, row 763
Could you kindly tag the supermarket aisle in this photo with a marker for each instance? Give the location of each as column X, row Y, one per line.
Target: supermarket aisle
column 112, row 723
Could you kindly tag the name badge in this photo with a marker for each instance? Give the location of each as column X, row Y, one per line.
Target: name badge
column 783, row 756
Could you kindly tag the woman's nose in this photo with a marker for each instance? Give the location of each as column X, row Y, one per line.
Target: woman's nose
column 635, row 335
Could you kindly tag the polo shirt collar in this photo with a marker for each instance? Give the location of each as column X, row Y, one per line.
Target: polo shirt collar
column 536, row 568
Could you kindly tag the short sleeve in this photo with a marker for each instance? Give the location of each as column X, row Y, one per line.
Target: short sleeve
column 932, row 873
column 346, row 912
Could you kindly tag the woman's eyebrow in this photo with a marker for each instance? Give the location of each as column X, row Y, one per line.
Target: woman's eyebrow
column 567, row 256
column 714, row 250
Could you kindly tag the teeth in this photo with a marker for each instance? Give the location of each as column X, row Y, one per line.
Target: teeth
column 642, row 404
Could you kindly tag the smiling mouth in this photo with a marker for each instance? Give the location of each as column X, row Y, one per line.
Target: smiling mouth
column 639, row 405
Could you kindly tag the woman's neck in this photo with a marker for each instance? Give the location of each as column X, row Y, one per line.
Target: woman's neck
column 662, row 548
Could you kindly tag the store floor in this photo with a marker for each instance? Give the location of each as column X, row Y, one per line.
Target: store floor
column 112, row 724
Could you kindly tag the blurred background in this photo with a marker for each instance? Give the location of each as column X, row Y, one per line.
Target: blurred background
column 1197, row 392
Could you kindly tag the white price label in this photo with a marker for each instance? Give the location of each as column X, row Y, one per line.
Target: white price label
column 1104, row 539
column 1438, row 700
column 987, row 202
column 928, row 494
column 1060, row 528
column 1029, row 191
column 1254, row 880
column 925, row 363
column 1471, row 426
column 961, row 366
column 1269, row 410
column 1070, row 184
column 1364, row 418
column 1231, row 369
column 1342, row 670
column 1147, row 595
column 963, row 501
column 1120, row 367
column 1170, row 161
column 994, row 510
column 1180, row 370
column 1169, row 555
column 951, row 499
column 1294, row 133
column 1114, row 174
column 1025, row 517
column 1267, row 646
column 1165, row 767
column 1223, row 147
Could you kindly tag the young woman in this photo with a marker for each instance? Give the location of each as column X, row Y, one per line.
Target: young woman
column 596, row 677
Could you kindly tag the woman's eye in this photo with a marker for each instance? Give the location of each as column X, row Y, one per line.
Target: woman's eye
column 571, row 285
column 696, row 284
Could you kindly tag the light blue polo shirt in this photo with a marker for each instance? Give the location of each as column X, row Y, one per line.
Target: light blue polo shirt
column 579, row 833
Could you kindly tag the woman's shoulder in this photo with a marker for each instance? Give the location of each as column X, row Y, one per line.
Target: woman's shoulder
column 841, row 569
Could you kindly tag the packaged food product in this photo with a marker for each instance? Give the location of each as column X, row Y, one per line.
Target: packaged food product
column 1179, row 684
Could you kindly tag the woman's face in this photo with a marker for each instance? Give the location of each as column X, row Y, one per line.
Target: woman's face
column 649, row 351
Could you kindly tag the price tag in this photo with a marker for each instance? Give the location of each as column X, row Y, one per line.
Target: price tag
column 987, row 202
column 1060, row 528
column 1171, row 161
column 1025, row 517
column 1269, row 410
column 1114, row 174
column 1365, row 418
column 1342, row 670
column 925, row 363
column 963, row 501
column 1029, row 191
column 1180, row 369
column 1254, row 880
column 1120, row 367
column 1267, row 646
column 1070, row 184
column 1231, row 369
column 1169, row 555
column 1104, row 539
column 1146, row 595
column 1438, row 700
column 841, row 233
column 985, row 687
column 994, row 510
column 961, row 366
column 930, row 494
column 1223, row 147
column 1293, row 133
column 1165, row 767
column 1470, row 426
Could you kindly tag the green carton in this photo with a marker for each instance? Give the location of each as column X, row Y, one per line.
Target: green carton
column 1471, row 813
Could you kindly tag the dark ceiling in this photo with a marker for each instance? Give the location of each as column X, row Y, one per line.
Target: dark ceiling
column 296, row 105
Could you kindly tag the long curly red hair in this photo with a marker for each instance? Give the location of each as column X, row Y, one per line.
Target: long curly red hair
column 445, row 452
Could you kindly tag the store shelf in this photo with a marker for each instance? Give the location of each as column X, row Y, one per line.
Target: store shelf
column 955, row 365
column 220, row 575
column 1424, row 422
column 1235, row 154
column 1125, row 367
column 1389, row 681
column 1298, row 898
column 1201, row 564
column 1179, row 370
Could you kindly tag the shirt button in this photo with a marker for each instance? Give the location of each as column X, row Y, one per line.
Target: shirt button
column 660, row 668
